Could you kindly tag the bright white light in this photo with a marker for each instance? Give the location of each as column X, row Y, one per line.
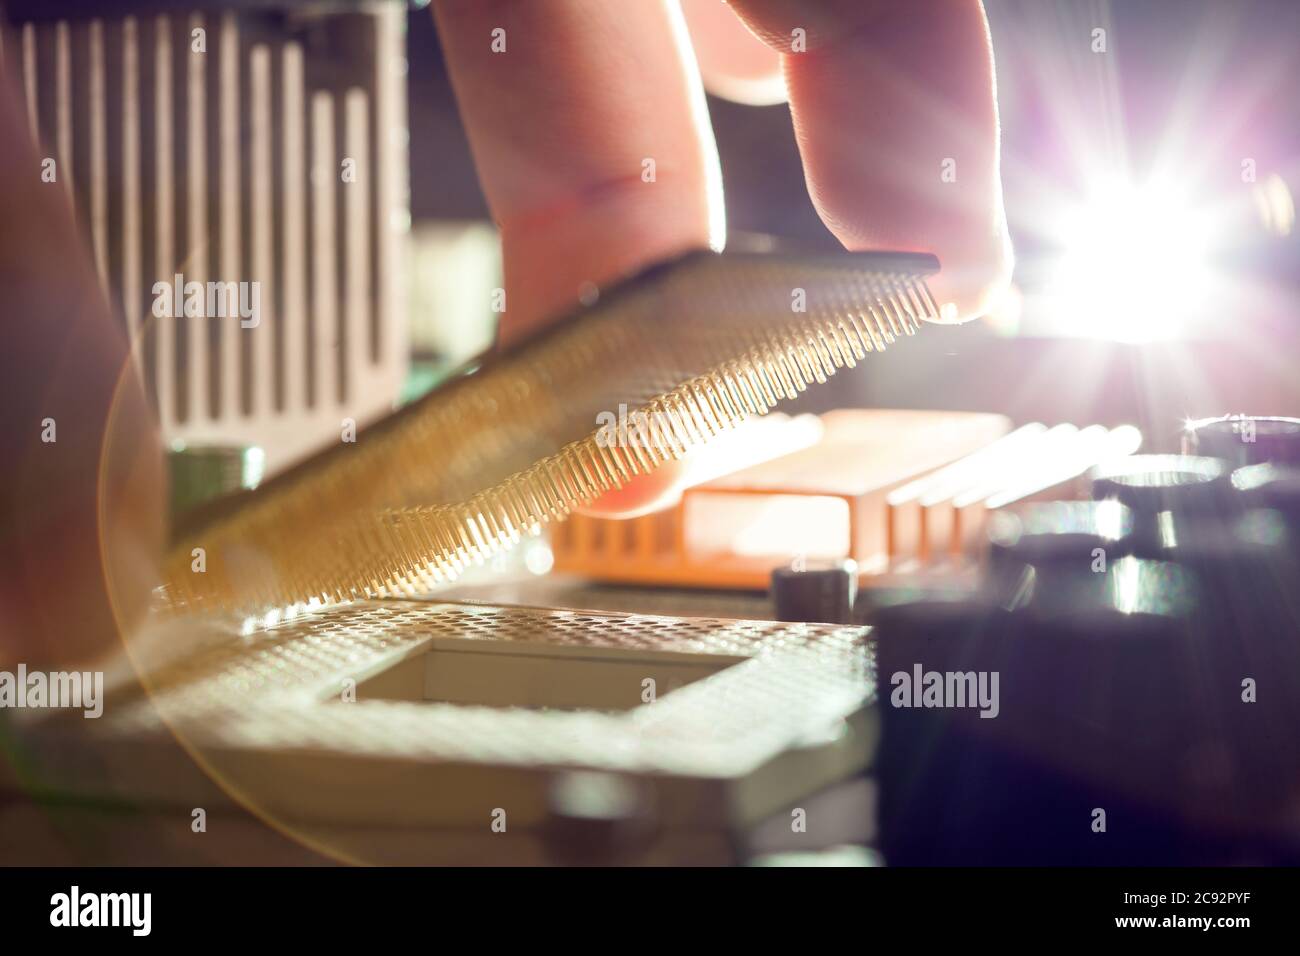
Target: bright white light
column 538, row 557
column 1135, row 263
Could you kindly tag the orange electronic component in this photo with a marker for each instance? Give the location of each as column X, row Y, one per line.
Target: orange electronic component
column 940, row 517
column 827, row 500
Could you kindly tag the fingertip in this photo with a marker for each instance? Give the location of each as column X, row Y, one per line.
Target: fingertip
column 913, row 164
column 734, row 63
column 972, row 284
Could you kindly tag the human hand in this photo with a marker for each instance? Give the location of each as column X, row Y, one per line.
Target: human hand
column 82, row 497
column 894, row 113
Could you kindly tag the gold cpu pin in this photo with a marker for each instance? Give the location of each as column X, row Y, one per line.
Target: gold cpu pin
column 513, row 441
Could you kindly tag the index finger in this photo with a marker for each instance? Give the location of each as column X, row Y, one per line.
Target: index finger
column 590, row 133
column 895, row 112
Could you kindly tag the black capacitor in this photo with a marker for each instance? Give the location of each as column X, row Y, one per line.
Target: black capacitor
column 815, row 591
column 1241, row 537
column 957, row 785
column 1058, row 532
column 1246, row 567
column 1245, row 439
column 1272, row 487
column 1056, row 546
column 1166, row 692
column 1116, row 674
column 1155, row 487
column 1149, row 484
column 963, row 634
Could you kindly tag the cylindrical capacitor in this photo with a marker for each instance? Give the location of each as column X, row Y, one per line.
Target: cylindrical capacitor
column 1055, row 531
column 1245, row 439
column 1149, row 484
column 1157, row 486
column 1246, row 566
column 815, row 591
column 1065, row 543
column 1272, row 487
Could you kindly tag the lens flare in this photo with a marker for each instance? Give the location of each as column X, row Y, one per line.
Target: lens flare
column 1135, row 263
